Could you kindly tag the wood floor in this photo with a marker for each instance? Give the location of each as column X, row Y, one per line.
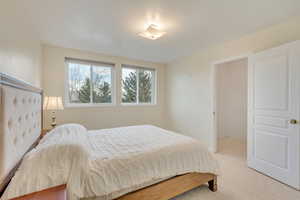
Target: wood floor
column 238, row 182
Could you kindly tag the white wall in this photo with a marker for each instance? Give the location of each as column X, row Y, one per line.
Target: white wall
column 99, row 117
column 21, row 58
column 231, row 99
column 20, row 50
column 189, row 79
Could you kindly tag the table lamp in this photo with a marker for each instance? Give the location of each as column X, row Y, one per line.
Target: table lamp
column 53, row 104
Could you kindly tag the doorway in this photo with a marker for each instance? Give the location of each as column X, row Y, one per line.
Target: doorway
column 273, row 111
column 230, row 103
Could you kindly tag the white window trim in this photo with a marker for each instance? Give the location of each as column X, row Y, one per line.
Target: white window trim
column 85, row 105
column 138, row 104
column 155, row 86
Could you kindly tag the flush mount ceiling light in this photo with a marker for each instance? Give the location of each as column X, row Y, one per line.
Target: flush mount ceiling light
column 152, row 32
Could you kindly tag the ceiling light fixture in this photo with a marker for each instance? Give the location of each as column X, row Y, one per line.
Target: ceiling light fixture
column 152, row 32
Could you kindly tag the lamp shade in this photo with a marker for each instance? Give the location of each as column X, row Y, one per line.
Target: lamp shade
column 53, row 103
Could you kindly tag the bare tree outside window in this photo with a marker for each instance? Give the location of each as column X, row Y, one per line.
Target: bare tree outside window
column 79, row 81
column 89, row 83
column 102, row 85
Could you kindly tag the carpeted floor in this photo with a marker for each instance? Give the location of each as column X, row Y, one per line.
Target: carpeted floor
column 238, row 182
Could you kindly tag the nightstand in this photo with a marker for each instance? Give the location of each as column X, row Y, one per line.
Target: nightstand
column 44, row 132
column 54, row 193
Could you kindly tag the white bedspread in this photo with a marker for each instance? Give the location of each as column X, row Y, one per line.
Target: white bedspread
column 108, row 163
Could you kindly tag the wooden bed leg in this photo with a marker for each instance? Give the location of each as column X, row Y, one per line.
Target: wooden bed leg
column 212, row 185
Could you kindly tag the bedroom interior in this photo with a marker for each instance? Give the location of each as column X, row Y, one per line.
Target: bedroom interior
column 151, row 100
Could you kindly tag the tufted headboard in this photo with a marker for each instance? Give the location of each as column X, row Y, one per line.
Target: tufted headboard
column 20, row 123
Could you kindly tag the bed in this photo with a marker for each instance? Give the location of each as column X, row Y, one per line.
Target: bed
column 126, row 163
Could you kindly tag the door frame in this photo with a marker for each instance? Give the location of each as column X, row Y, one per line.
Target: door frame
column 214, row 138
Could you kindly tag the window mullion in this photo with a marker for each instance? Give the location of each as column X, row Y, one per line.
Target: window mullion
column 152, row 86
column 137, row 85
column 91, row 84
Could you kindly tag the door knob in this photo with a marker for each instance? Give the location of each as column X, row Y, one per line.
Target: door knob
column 293, row 121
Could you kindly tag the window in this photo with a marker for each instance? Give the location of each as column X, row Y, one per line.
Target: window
column 138, row 85
column 89, row 83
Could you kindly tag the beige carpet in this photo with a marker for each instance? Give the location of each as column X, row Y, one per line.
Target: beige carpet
column 238, row 182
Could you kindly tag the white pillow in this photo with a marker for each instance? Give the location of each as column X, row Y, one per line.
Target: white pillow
column 65, row 131
column 71, row 127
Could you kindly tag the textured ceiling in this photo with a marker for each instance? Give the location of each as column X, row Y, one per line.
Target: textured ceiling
column 111, row 26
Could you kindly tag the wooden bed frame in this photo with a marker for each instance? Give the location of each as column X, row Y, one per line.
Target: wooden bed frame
column 173, row 187
column 160, row 191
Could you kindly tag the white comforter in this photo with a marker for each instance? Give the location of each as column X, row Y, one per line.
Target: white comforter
column 108, row 163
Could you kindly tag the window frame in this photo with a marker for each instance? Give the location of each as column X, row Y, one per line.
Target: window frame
column 154, row 85
column 92, row 64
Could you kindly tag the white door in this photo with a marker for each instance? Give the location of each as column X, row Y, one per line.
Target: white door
column 273, row 113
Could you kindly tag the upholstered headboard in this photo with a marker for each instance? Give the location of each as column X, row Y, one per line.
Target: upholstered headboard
column 20, row 123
